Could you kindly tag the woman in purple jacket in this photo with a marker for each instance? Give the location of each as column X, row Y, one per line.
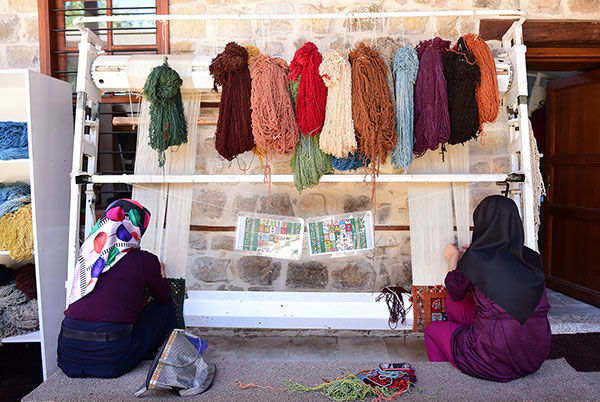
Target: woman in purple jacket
column 108, row 328
column 497, row 326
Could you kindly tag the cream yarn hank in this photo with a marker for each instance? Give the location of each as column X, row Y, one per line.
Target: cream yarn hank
column 337, row 137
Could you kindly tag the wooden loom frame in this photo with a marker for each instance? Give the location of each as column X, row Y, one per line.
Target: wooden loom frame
column 298, row 310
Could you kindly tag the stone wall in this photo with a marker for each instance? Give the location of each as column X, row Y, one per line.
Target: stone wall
column 19, row 38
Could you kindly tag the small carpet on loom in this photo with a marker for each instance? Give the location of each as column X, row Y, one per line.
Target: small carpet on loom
column 582, row 351
column 555, row 381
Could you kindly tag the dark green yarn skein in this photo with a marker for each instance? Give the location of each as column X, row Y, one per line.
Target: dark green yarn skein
column 168, row 126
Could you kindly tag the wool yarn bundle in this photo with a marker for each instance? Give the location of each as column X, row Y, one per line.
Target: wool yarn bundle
column 13, row 196
column 372, row 108
column 254, row 51
column 309, row 162
column 25, row 280
column 488, row 100
column 405, row 68
column 387, row 47
column 234, row 127
column 312, row 92
column 18, row 314
column 168, row 126
column 432, row 121
column 16, row 233
column 13, row 140
column 353, row 161
column 462, row 77
column 338, row 137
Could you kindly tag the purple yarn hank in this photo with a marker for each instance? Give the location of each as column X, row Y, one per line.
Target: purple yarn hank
column 432, row 121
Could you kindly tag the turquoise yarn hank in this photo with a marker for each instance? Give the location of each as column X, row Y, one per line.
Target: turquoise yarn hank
column 13, row 196
column 308, row 163
column 352, row 162
column 405, row 68
column 168, row 126
column 13, row 140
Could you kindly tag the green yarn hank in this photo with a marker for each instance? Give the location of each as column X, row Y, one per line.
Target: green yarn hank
column 347, row 388
column 168, row 126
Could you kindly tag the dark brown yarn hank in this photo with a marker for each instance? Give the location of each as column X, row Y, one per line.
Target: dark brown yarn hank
column 372, row 108
column 234, row 126
column 462, row 78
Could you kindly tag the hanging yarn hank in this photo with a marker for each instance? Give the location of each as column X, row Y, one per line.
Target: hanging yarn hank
column 309, row 162
column 168, row 126
column 372, row 108
column 337, row 137
column 312, row 92
column 432, row 122
column 234, row 126
column 488, row 99
column 13, row 140
column 395, row 303
column 352, row 162
column 462, row 77
column 405, row 68
column 253, row 51
column 274, row 124
column 16, row 233
column 387, row 47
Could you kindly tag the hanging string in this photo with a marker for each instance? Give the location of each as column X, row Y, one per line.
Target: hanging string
column 234, row 131
column 338, row 137
column 462, row 76
column 312, row 92
column 372, row 108
column 488, row 100
column 406, row 65
column 432, row 122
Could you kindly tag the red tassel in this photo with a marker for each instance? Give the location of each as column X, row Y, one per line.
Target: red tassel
column 312, row 92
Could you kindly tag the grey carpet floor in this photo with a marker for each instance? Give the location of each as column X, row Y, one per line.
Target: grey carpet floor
column 555, row 381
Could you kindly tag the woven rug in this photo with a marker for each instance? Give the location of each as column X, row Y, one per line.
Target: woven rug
column 582, row 351
column 555, row 381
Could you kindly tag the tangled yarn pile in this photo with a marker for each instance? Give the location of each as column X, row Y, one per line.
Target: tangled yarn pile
column 168, row 126
column 13, row 196
column 16, row 233
column 18, row 314
column 13, row 140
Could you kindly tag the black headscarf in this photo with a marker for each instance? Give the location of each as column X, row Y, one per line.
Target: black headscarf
column 498, row 263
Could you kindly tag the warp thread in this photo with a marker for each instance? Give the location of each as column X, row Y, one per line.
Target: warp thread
column 234, row 125
column 13, row 140
column 16, row 233
column 352, row 162
column 462, row 77
column 432, row 121
column 309, row 162
column 337, row 137
column 312, row 92
column 25, row 280
column 372, row 108
column 168, row 126
column 13, row 196
column 488, row 99
column 395, row 302
column 405, row 68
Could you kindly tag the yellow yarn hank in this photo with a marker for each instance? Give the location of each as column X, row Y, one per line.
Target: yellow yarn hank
column 337, row 137
column 253, row 51
column 16, row 233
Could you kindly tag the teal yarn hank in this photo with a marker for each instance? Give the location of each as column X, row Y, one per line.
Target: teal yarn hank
column 405, row 68
column 168, row 126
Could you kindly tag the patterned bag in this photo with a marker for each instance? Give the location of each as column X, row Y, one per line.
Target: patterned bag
column 179, row 366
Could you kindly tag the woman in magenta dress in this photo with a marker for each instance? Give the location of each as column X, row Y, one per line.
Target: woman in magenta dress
column 497, row 326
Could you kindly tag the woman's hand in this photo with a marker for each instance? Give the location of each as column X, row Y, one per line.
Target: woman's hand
column 451, row 252
column 162, row 269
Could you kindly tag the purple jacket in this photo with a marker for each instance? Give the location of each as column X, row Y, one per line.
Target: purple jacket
column 496, row 346
column 119, row 295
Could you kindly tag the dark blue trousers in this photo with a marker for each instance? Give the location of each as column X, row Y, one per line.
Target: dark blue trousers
column 109, row 359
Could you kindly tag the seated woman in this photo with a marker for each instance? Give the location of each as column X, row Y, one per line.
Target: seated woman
column 501, row 331
column 108, row 329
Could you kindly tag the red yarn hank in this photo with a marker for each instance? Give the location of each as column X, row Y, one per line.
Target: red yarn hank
column 372, row 108
column 312, row 93
column 432, row 121
column 25, row 280
column 234, row 127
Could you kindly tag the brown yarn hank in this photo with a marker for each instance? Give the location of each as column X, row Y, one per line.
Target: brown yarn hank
column 372, row 108
column 234, row 128
column 488, row 100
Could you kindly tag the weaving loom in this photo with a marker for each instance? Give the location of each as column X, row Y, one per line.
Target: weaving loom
column 434, row 187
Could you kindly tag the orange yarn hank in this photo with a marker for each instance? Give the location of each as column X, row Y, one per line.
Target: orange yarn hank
column 486, row 92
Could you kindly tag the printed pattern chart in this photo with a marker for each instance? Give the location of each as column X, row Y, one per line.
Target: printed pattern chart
column 274, row 236
column 341, row 234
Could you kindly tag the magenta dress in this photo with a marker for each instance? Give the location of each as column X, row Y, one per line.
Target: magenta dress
column 496, row 346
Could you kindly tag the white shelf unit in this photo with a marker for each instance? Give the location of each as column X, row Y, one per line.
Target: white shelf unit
column 282, row 309
column 44, row 103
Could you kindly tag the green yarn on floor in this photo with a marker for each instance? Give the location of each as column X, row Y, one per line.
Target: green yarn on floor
column 308, row 163
column 168, row 126
column 347, row 388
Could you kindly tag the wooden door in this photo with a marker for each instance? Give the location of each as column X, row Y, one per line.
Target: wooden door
column 572, row 215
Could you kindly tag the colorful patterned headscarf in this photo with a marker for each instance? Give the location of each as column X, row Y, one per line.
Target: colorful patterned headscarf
column 116, row 233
